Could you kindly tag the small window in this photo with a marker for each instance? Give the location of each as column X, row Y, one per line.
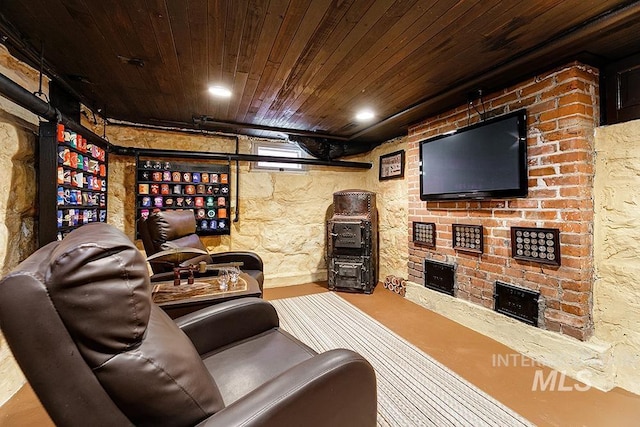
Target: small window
column 278, row 150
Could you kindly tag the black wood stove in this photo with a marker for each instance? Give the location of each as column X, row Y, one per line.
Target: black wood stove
column 352, row 242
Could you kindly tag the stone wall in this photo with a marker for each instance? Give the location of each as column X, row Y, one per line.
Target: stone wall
column 391, row 198
column 17, row 196
column 616, row 305
column 17, row 224
column 562, row 108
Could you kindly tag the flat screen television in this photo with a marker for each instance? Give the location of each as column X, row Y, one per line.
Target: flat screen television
column 484, row 161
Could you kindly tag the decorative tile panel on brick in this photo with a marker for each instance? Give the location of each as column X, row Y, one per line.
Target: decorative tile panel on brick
column 466, row 237
column 536, row 244
column 424, row 234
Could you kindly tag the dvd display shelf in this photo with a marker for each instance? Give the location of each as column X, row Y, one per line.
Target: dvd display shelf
column 72, row 182
column 203, row 189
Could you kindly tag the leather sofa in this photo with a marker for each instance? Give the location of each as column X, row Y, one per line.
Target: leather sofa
column 78, row 317
column 164, row 230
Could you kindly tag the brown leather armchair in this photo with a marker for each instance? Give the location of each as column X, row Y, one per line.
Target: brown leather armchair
column 79, row 320
column 164, row 230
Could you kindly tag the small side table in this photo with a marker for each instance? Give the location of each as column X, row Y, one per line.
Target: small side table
column 179, row 300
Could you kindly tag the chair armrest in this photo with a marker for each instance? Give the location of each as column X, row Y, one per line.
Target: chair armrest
column 251, row 260
column 221, row 324
column 336, row 388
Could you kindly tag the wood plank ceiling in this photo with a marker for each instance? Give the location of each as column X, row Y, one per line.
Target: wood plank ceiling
column 306, row 65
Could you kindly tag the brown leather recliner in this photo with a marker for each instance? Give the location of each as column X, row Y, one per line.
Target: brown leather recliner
column 164, row 230
column 79, row 320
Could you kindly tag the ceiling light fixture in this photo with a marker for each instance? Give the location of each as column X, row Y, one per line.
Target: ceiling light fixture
column 220, row 91
column 364, row 115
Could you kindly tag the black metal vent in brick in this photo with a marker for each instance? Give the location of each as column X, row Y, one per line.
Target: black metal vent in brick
column 439, row 276
column 519, row 303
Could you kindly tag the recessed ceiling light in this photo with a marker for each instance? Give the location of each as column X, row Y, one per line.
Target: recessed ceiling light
column 220, row 91
column 364, row 115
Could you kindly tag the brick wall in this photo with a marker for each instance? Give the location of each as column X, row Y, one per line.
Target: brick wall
column 563, row 110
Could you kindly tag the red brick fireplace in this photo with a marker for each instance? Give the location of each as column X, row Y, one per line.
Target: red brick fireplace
column 563, row 110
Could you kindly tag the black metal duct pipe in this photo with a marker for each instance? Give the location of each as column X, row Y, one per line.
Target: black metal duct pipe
column 205, row 121
column 237, row 217
column 325, row 149
column 16, row 93
column 128, row 151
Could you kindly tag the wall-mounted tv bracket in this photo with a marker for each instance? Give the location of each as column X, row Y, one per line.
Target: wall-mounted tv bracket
column 471, row 98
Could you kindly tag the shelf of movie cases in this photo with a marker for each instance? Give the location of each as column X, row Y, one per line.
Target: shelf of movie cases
column 81, row 178
column 180, row 186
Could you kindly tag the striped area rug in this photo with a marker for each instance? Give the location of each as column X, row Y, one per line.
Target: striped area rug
column 413, row 388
